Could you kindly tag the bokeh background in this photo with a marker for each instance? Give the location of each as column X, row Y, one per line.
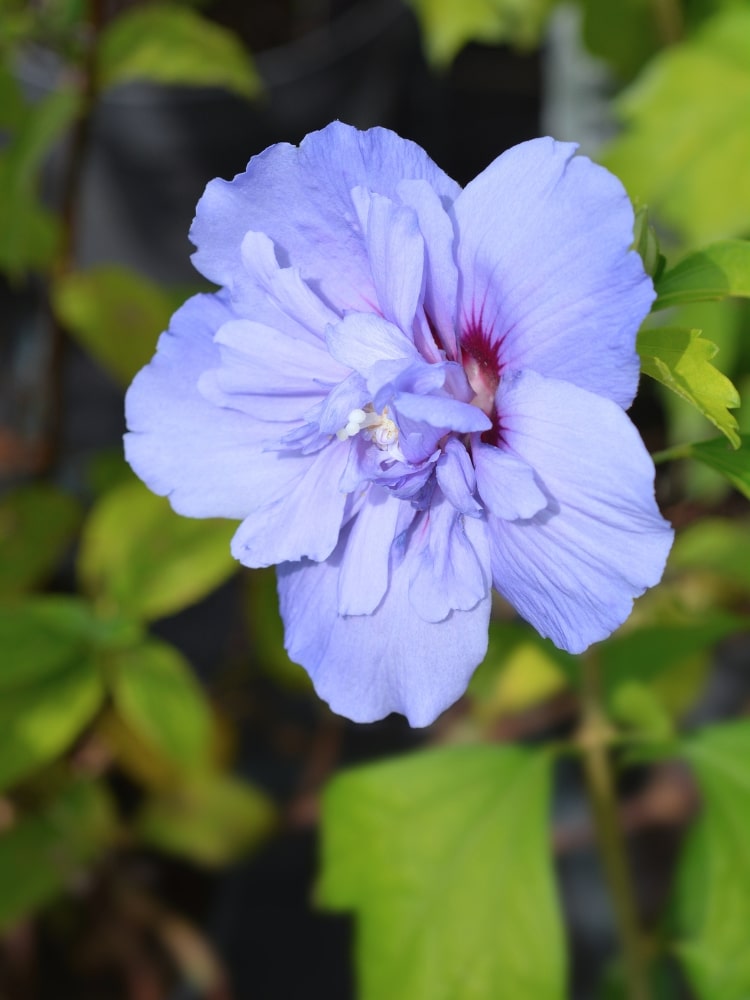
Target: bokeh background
column 161, row 761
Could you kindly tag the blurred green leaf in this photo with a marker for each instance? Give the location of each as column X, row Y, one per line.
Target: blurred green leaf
column 520, row 670
column 681, row 360
column 712, row 908
column 167, row 43
column 734, row 465
column 154, row 689
column 46, row 850
column 715, row 545
column 211, row 818
column 51, row 685
column 447, row 26
column 636, row 705
column 37, row 523
column 444, row 856
column 115, row 314
column 140, row 559
column 625, row 34
column 685, row 146
column 28, row 232
column 715, row 272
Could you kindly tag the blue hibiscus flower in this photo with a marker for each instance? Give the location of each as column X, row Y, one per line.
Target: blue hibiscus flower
column 409, row 393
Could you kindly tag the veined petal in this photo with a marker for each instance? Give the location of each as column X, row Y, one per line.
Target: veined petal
column 546, row 269
column 207, row 459
column 366, row 666
column 268, row 293
column 506, row 483
column 363, row 577
column 574, row 569
column 449, row 572
column 305, row 521
column 457, row 479
column 396, row 251
column 322, row 235
column 441, row 286
column 362, row 340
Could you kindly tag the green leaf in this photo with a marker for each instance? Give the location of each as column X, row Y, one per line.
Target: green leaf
column 444, row 856
column 115, row 314
column 140, row 559
column 447, row 26
column 212, row 819
column 167, row 43
column 37, row 523
column 28, row 232
column 46, row 851
column 715, row 272
column 734, row 465
column 520, row 670
column 681, row 360
column 713, row 887
column 715, row 545
column 155, row 691
column 50, row 682
column 623, row 33
column 685, row 146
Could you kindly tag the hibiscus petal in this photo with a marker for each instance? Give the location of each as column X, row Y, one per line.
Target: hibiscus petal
column 506, row 483
column 449, row 572
column 207, row 459
column 305, row 521
column 366, row 666
column 574, row 569
column 545, row 265
column 441, row 287
column 363, row 578
column 362, row 340
column 396, row 251
column 321, row 235
column 457, row 479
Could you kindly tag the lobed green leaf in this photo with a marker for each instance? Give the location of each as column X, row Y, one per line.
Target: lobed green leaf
column 448, row 26
column 37, row 524
column 712, row 898
column 444, row 856
column 50, row 682
column 733, row 465
column 681, row 360
column 210, row 818
column 115, row 314
column 156, row 693
column 715, row 272
column 685, row 145
column 46, row 850
column 167, row 43
column 141, row 560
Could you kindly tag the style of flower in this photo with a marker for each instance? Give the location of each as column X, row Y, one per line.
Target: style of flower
column 409, row 393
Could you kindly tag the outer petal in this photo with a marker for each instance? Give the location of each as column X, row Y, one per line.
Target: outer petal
column 545, row 267
column 207, row 459
column 322, row 235
column 573, row 569
column 366, row 666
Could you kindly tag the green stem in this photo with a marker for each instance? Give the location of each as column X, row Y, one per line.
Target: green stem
column 594, row 740
column 672, row 454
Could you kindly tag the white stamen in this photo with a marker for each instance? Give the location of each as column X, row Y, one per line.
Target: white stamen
column 377, row 427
